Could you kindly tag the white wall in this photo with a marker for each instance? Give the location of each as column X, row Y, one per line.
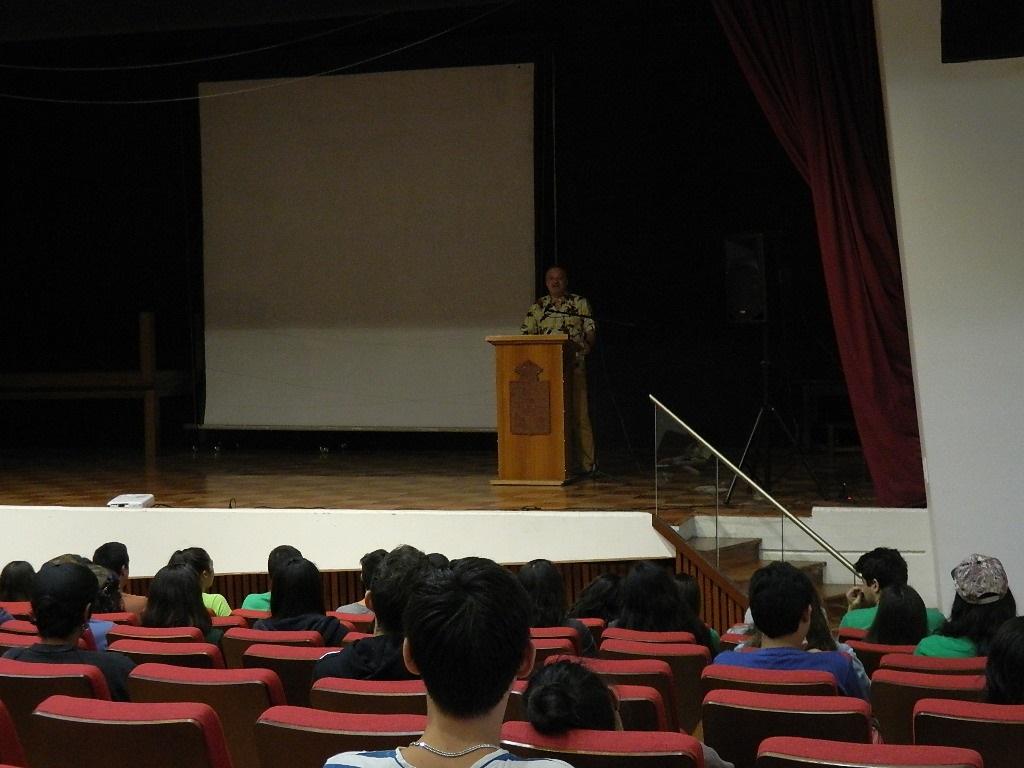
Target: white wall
column 239, row 540
column 956, row 138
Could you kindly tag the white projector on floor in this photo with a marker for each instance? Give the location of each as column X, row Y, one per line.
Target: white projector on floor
column 132, row 500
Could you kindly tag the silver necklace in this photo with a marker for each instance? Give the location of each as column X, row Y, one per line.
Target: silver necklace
column 460, row 753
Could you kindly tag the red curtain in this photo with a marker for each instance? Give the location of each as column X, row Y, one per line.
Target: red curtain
column 813, row 67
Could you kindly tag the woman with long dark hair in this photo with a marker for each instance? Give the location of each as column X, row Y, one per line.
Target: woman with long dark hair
column 1004, row 670
column 902, row 618
column 651, row 602
column 16, row 581
column 543, row 583
column 175, row 601
column 600, row 599
column 199, row 560
column 297, row 603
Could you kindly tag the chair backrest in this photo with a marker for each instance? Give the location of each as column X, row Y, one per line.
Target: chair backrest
column 894, row 694
column 596, row 627
column 730, row 640
column 201, row 655
column 651, row 673
column 558, row 633
column 155, row 634
column 351, row 638
column 237, row 639
column 548, row 647
column 384, row 697
column 24, row 684
column 686, row 661
column 118, row 617
column 641, row 708
column 112, row 734
column 870, row 654
column 293, row 665
column 238, row 696
column 361, row 622
column 10, row 640
column 11, row 751
column 996, row 731
column 934, row 665
column 250, row 616
column 227, row 622
column 20, row 627
column 604, row 749
column 789, row 752
column 846, row 634
column 640, row 636
column 301, row 736
column 808, row 682
column 19, row 609
column 735, row 722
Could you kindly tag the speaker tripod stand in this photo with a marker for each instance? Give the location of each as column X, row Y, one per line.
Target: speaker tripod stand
column 763, row 431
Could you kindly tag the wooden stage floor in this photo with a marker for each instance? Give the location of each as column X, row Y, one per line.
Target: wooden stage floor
column 403, row 479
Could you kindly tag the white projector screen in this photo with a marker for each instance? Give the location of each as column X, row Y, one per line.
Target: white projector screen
column 362, row 234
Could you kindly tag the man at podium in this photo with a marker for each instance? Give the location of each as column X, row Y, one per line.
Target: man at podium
column 569, row 313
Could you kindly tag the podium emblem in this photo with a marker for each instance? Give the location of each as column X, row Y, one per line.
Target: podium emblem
column 529, row 401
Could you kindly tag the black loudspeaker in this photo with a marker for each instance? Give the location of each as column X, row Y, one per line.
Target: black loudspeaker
column 745, row 285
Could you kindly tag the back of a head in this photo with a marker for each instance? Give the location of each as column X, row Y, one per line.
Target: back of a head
column 279, row 556
column 902, row 618
column 600, row 599
column 884, row 565
column 196, row 558
column 1004, row 670
column 393, row 583
column 567, row 695
column 819, row 634
column 651, row 602
column 438, row 560
column 108, row 595
column 779, row 595
column 369, row 563
column 468, row 631
column 543, row 583
column 16, row 581
column 113, row 555
column 983, row 601
column 297, row 590
column 175, row 600
column 60, row 594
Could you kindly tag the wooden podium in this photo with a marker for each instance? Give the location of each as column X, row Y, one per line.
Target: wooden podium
column 534, row 404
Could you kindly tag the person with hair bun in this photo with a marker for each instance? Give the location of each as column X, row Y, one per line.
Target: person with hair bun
column 566, row 695
column 199, row 560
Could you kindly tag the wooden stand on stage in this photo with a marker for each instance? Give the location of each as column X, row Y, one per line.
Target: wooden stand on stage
column 534, row 403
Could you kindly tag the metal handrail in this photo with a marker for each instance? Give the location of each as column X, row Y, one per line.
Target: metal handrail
column 843, row 561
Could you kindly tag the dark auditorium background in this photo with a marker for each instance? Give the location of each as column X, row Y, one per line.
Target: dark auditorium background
column 659, row 150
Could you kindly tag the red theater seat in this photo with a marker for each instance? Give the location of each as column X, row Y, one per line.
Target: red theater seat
column 736, row 722
column 154, row 634
column 250, row 616
column 996, row 731
column 639, row 636
column 108, row 734
column 293, row 665
column 361, row 622
column 596, row 627
column 546, row 648
column 787, row 752
column 19, row 609
column 118, row 617
column 605, row 749
column 200, row 655
column 794, row 682
column 10, row 640
column 237, row 639
column 384, row 697
column 846, row 634
column 934, row 665
column 299, row 736
column 11, row 752
column 24, row 684
column 238, row 696
column 19, row 627
column 870, row 654
column 894, row 694
column 227, row 622
column 558, row 633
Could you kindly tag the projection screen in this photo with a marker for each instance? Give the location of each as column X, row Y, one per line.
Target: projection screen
column 362, row 234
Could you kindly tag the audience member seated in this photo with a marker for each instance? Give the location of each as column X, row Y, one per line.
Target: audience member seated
column 297, row 603
column 380, row 657
column 782, row 599
column 62, row 597
column 260, row 601
column 469, row 637
column 901, row 618
column 651, row 602
column 114, row 556
column 199, row 560
column 107, row 598
column 438, row 561
column 880, row 568
column 567, row 695
column 820, row 638
column 543, row 583
column 600, row 599
column 983, row 602
column 175, row 601
column 16, row 581
column 689, row 589
column 1004, row 670
column 369, row 563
